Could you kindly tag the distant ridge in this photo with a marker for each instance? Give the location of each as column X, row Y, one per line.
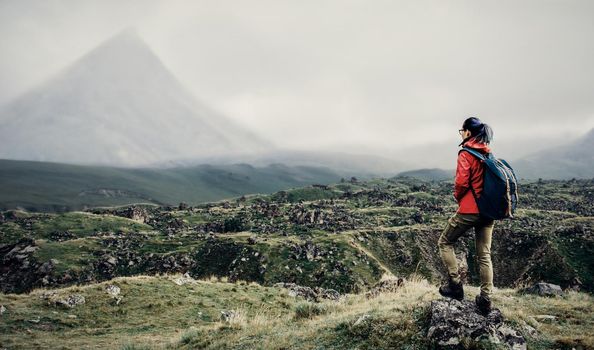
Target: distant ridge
column 429, row 174
column 573, row 160
column 46, row 186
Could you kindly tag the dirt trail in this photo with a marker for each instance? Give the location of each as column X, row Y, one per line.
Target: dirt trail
column 387, row 272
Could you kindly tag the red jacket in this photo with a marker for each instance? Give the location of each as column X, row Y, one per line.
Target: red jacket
column 467, row 165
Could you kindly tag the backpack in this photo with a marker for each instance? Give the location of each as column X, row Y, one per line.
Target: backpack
column 499, row 197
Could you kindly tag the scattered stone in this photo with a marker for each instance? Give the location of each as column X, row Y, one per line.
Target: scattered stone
column 47, row 266
column 454, row 322
column 61, row 236
column 545, row 290
column 112, row 290
column 531, row 331
column 135, row 213
column 228, row 315
column 70, row 301
column 362, row 319
column 310, row 294
column 186, row 278
column 28, row 249
column 111, row 260
column 385, row 286
column 544, row 318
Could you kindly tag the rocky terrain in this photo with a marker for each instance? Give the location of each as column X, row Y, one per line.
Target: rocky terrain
column 317, row 243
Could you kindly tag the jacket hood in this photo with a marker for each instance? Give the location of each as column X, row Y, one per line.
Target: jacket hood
column 473, row 143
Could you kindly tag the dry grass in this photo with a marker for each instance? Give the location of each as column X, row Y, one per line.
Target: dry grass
column 267, row 317
column 274, row 331
column 398, row 308
column 573, row 312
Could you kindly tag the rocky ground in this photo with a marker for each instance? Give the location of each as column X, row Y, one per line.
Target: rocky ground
column 332, row 239
column 179, row 312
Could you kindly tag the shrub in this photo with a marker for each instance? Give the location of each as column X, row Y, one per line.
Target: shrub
column 309, row 310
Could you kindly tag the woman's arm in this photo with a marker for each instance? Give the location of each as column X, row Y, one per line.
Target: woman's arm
column 461, row 182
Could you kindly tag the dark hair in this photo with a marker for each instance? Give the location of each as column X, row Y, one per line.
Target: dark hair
column 481, row 131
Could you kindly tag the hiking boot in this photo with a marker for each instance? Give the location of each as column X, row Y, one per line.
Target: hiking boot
column 452, row 290
column 483, row 303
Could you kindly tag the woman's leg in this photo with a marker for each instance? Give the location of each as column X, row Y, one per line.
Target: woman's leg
column 456, row 226
column 483, row 251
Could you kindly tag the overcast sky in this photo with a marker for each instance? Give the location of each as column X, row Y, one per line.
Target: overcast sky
column 354, row 75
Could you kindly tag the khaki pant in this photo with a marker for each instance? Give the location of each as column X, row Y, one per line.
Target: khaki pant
column 457, row 225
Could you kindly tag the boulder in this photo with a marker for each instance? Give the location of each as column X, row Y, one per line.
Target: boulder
column 545, row 290
column 69, row 301
column 459, row 324
column 114, row 291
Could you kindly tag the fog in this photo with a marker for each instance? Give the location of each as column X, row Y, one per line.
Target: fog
column 375, row 77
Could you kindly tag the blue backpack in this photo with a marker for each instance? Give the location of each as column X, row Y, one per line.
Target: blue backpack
column 499, row 197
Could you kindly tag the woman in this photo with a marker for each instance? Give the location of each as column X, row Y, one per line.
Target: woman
column 469, row 179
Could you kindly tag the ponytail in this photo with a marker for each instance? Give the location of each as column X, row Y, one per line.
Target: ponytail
column 485, row 135
column 479, row 130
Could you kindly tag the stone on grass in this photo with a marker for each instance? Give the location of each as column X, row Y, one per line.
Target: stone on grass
column 545, row 290
column 455, row 323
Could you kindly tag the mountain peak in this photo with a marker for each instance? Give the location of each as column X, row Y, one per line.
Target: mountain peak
column 126, row 40
column 124, row 56
column 118, row 105
column 128, row 32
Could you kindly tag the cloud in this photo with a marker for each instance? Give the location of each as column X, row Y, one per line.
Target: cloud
column 340, row 74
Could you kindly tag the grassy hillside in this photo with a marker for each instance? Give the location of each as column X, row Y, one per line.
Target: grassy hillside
column 44, row 186
column 342, row 236
column 157, row 313
column 346, row 236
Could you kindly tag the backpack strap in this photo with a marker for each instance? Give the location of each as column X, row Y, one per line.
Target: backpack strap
column 475, row 153
column 480, row 157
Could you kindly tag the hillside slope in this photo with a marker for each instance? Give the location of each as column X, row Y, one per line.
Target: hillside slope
column 191, row 315
column 573, row 160
column 339, row 239
column 342, row 236
column 44, row 186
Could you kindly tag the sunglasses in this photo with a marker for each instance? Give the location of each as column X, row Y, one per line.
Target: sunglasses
column 460, row 131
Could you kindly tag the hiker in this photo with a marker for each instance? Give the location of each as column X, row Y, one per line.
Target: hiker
column 469, row 178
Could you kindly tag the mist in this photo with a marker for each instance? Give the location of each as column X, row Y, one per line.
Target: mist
column 388, row 78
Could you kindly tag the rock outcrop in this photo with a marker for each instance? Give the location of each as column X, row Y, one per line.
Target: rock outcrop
column 311, row 294
column 544, row 290
column 459, row 325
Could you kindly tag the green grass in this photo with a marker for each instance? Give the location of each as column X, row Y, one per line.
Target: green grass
column 156, row 313
column 79, row 224
column 45, row 186
column 152, row 307
column 68, row 255
column 546, row 241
